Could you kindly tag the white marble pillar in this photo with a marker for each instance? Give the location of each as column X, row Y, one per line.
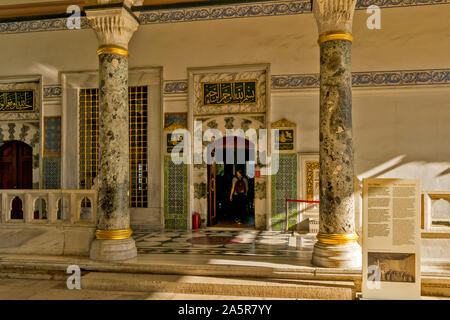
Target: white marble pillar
column 337, row 245
column 114, row 27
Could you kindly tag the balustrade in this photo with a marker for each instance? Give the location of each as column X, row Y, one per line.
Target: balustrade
column 74, row 207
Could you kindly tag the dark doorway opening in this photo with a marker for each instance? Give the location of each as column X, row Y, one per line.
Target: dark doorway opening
column 16, row 171
column 227, row 156
column 16, row 165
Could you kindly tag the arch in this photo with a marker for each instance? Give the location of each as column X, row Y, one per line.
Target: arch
column 40, row 209
column 16, row 208
column 85, row 209
column 440, row 209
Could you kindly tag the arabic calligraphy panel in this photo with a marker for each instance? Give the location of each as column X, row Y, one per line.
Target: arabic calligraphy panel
column 17, row 101
column 230, row 92
column 285, row 140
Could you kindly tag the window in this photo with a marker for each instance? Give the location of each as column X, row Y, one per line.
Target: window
column 88, row 143
column 138, row 147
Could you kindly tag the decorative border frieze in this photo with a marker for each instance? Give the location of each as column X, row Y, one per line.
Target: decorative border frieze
column 363, row 4
column 57, row 24
column 311, row 80
column 175, row 86
column 359, row 79
column 259, row 9
column 401, row 78
column 295, row 81
column 52, row 92
column 212, row 12
column 368, row 79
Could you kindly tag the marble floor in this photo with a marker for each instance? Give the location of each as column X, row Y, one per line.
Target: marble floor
column 225, row 242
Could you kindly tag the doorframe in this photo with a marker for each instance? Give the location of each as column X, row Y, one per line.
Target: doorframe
column 247, row 149
column 36, row 117
column 242, row 68
column 211, row 170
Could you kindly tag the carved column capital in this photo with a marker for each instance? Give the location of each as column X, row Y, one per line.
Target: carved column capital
column 113, row 26
column 334, row 15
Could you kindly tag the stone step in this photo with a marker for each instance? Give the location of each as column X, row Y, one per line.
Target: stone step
column 435, row 281
column 220, row 286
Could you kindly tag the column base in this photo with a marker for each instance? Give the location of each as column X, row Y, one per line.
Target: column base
column 337, row 256
column 113, row 250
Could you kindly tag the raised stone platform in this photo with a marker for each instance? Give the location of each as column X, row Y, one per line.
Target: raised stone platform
column 251, row 287
column 280, row 270
column 227, row 255
column 46, row 239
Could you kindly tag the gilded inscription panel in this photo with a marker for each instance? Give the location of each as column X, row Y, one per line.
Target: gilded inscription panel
column 17, row 101
column 230, row 92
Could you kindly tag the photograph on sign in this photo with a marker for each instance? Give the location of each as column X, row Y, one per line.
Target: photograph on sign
column 394, row 267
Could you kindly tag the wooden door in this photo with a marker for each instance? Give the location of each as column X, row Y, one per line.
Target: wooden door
column 16, row 165
column 212, row 189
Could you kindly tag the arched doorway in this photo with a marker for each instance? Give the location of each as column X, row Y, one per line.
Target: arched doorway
column 16, row 165
column 226, row 156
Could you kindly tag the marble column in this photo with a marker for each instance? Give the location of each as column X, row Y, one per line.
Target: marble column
column 114, row 27
column 337, row 245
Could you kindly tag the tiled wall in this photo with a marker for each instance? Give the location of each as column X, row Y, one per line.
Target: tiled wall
column 175, row 195
column 52, row 173
column 52, row 153
column 284, row 186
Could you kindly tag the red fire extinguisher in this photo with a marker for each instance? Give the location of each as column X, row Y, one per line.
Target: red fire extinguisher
column 195, row 220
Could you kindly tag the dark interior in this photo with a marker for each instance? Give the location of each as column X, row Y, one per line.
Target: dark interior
column 224, row 209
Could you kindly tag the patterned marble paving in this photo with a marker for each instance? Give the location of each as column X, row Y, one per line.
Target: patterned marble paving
column 224, row 242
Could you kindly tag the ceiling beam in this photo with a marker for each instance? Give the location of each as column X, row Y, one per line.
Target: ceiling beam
column 39, row 9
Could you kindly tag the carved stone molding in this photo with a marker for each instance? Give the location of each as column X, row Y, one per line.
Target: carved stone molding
column 113, row 26
column 334, row 15
column 283, row 123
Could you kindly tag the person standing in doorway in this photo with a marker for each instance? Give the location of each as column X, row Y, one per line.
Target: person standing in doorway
column 238, row 196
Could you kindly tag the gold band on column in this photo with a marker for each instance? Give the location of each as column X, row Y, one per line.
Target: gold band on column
column 113, row 234
column 113, row 49
column 335, row 35
column 337, row 238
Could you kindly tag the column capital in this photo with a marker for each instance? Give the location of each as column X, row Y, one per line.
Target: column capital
column 114, row 26
column 334, row 15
